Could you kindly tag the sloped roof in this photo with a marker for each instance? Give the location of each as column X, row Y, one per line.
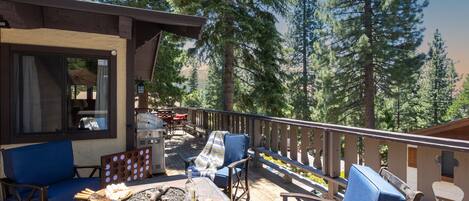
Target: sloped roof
column 458, row 129
column 184, row 25
column 142, row 26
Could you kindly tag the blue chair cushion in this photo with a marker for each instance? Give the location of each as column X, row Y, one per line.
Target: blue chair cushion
column 65, row 190
column 236, row 147
column 221, row 177
column 40, row 164
column 364, row 184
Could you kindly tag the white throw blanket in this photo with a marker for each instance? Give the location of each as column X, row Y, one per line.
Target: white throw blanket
column 212, row 156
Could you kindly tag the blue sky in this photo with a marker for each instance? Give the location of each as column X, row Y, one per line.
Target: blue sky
column 451, row 17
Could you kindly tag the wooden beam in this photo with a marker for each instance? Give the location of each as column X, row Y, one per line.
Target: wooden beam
column 130, row 92
column 22, row 16
column 5, row 113
column 125, row 27
column 72, row 20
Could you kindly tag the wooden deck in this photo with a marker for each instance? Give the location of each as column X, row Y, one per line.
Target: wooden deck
column 264, row 184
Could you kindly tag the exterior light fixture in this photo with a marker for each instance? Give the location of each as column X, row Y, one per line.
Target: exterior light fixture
column 140, row 87
column 4, row 23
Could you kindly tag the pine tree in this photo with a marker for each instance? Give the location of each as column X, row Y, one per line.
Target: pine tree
column 372, row 41
column 303, row 32
column 193, row 79
column 439, row 78
column 242, row 37
column 460, row 107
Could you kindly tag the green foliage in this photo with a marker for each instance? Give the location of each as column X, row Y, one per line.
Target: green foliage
column 396, row 32
column 193, row 99
column 438, row 80
column 166, row 87
column 193, row 81
column 257, row 50
column 460, row 107
column 303, row 32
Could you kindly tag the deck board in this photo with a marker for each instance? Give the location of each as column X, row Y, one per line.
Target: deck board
column 265, row 185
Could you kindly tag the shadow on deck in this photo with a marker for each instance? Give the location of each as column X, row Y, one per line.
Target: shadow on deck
column 264, row 184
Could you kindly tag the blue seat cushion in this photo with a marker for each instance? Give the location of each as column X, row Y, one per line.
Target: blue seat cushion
column 65, row 190
column 40, row 164
column 364, row 184
column 236, row 147
column 221, row 177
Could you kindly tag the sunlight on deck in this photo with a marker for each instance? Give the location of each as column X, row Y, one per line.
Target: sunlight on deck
column 265, row 185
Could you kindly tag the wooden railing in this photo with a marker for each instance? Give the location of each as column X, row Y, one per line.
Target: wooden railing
column 319, row 148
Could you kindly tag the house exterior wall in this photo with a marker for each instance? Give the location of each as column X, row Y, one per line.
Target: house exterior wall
column 86, row 152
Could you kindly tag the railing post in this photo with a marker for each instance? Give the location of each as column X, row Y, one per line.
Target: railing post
column 461, row 178
column 350, row 152
column 250, row 130
column 318, row 145
column 305, row 145
column 397, row 159
column 193, row 116
column 274, row 136
column 225, row 123
column 205, row 119
column 331, row 161
column 294, row 142
column 266, row 131
column 257, row 142
column 283, row 140
column 428, row 170
column 371, row 153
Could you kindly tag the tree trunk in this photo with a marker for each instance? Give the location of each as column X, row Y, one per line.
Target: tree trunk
column 369, row 89
column 305, row 66
column 228, row 67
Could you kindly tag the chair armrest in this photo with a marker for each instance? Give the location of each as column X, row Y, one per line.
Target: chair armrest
column 237, row 163
column 300, row 196
column 93, row 167
column 189, row 161
column 5, row 182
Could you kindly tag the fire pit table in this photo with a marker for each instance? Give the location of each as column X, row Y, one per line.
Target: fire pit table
column 205, row 188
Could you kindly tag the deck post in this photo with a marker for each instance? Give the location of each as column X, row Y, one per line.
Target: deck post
column 461, row 178
column 130, row 83
column 428, row 170
column 331, row 161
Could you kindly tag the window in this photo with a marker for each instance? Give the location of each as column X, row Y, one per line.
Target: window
column 62, row 93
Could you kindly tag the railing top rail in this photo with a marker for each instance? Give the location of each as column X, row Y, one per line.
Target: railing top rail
column 407, row 138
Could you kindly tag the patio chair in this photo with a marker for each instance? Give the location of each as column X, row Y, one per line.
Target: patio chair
column 44, row 172
column 235, row 167
column 364, row 184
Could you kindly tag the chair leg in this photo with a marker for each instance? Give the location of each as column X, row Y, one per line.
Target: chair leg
column 247, row 186
column 230, row 184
